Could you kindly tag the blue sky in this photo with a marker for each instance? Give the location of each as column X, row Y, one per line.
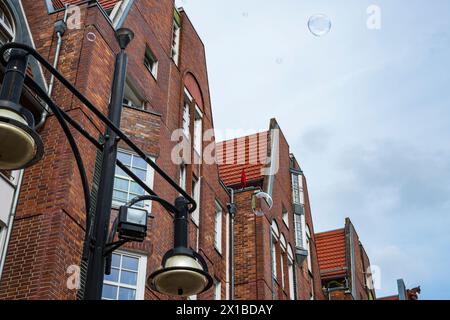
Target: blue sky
column 365, row 111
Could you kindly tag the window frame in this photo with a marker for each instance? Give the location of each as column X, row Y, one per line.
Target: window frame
column 291, row 277
column 218, row 225
column 150, row 174
column 186, row 117
column 176, row 41
column 217, row 290
column 150, row 58
column 183, row 176
column 308, row 247
column 196, row 195
column 141, row 275
column 8, row 30
column 198, row 131
column 285, row 217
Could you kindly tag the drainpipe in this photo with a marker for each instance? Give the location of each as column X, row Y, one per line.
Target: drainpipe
column 12, row 215
column 232, row 212
column 60, row 29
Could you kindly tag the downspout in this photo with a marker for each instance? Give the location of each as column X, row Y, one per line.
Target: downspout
column 12, row 215
column 60, row 28
column 232, row 212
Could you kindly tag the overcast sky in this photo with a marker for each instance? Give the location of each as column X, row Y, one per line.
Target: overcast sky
column 366, row 113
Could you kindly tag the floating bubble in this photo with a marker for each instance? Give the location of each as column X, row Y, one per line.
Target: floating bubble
column 319, row 25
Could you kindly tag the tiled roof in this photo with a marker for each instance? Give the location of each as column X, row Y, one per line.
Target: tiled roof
column 247, row 153
column 331, row 253
column 106, row 4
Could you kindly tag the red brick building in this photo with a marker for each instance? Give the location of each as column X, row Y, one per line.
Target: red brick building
column 344, row 265
column 167, row 88
column 275, row 255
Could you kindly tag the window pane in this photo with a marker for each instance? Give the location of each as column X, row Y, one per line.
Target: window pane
column 139, row 163
column 114, row 276
column 120, row 172
column 130, row 263
column 109, row 292
column 125, row 158
column 141, row 174
column 120, row 196
column 127, row 294
column 121, row 184
column 136, row 189
column 116, row 260
column 127, row 277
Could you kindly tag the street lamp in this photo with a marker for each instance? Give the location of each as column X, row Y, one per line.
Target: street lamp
column 20, row 145
column 183, row 270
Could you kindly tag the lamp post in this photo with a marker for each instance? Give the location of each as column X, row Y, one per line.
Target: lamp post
column 184, row 272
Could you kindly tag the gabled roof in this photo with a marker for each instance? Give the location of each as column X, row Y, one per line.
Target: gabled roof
column 247, row 153
column 331, row 253
column 106, row 4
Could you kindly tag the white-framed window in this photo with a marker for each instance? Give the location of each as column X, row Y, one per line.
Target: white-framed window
column 187, row 114
column 131, row 98
column 285, row 216
column 6, row 25
column 151, row 63
column 298, row 231
column 176, row 37
column 291, row 273
column 282, row 257
column 125, row 188
column 218, row 228
column 196, row 196
column 183, row 173
column 298, row 195
column 198, row 131
column 308, row 247
column 275, row 234
column 127, row 278
column 217, row 290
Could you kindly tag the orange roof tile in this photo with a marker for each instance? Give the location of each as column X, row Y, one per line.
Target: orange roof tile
column 106, row 4
column 247, row 153
column 331, row 253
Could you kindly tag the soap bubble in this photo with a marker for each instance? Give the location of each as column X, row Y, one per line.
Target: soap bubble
column 319, row 25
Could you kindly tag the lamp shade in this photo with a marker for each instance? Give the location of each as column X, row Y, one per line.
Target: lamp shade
column 182, row 275
column 20, row 145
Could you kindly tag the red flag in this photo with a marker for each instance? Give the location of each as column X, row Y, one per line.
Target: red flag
column 243, row 179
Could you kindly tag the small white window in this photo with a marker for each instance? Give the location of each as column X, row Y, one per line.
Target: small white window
column 151, row 63
column 291, row 273
column 308, row 246
column 183, row 176
column 196, row 197
column 125, row 188
column 297, row 189
column 218, row 228
column 298, row 231
column 176, row 37
column 274, row 256
column 127, row 278
column 187, row 118
column 217, row 290
column 198, row 131
column 285, row 216
column 282, row 267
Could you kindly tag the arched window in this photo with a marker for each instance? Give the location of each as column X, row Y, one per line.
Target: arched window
column 6, row 25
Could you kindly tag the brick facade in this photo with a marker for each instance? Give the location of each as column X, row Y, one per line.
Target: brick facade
column 48, row 232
